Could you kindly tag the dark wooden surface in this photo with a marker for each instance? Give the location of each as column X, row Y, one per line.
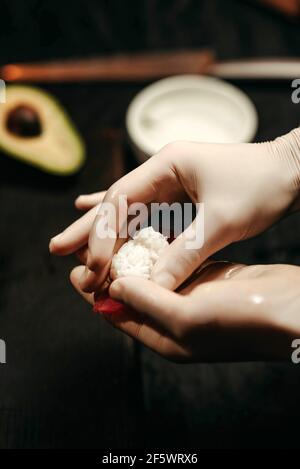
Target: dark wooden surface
column 70, row 380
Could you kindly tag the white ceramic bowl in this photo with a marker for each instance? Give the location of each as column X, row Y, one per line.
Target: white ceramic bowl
column 189, row 107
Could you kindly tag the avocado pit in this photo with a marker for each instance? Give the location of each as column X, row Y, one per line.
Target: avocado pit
column 24, row 121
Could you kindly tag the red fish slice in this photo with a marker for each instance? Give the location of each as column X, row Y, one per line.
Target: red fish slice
column 108, row 306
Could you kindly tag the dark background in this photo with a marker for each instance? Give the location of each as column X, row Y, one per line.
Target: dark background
column 71, row 381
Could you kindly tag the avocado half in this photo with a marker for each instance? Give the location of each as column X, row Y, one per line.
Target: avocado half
column 35, row 129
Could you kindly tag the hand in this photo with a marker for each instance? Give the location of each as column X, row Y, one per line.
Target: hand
column 226, row 312
column 245, row 188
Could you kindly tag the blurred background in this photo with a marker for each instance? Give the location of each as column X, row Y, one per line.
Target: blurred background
column 70, row 380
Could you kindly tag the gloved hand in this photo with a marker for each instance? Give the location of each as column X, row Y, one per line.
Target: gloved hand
column 245, row 189
column 226, row 312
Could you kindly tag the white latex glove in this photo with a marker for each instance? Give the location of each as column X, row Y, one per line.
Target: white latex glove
column 225, row 312
column 245, row 189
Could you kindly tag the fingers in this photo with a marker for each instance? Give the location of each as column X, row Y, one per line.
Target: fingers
column 186, row 253
column 135, row 326
column 155, row 339
column 154, row 302
column 75, row 236
column 88, row 201
column 147, row 183
column 74, row 278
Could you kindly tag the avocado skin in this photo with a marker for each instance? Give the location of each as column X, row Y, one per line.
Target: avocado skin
column 39, row 164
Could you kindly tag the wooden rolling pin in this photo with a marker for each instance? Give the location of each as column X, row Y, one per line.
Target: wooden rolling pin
column 150, row 66
column 135, row 67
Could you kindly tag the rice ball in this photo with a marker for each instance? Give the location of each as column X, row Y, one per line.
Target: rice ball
column 138, row 256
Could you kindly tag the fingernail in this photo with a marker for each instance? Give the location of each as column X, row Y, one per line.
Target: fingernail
column 115, row 291
column 164, row 279
column 79, row 200
column 87, row 281
column 53, row 241
column 76, row 273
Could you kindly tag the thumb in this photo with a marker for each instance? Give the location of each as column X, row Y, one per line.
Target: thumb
column 188, row 251
column 153, row 301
